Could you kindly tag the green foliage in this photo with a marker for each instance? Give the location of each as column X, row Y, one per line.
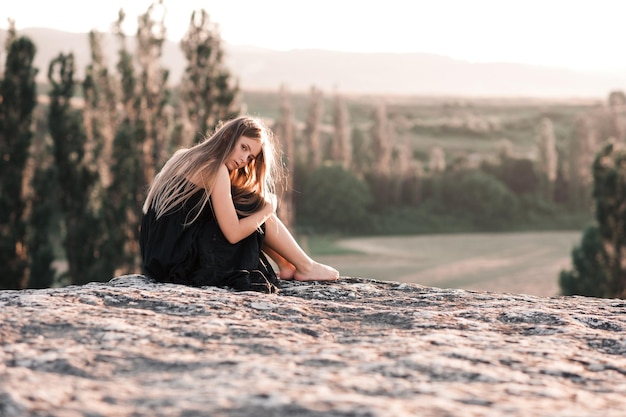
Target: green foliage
column 207, row 91
column 77, row 177
column 598, row 263
column 518, row 174
column 17, row 102
column 40, row 248
column 588, row 276
column 478, row 196
column 609, row 193
column 361, row 153
column 124, row 198
column 125, row 128
column 334, row 199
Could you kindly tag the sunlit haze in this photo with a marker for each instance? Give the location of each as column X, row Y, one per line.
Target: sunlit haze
column 577, row 34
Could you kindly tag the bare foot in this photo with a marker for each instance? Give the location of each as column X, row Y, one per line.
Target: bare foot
column 317, row 272
column 286, row 271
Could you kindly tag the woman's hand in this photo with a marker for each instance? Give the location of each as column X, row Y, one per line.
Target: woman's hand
column 234, row 228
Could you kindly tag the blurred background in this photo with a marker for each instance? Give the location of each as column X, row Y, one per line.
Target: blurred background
column 472, row 145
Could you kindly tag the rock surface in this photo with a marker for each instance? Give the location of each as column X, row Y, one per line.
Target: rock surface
column 356, row 347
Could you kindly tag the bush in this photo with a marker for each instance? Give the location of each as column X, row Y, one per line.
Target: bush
column 479, row 197
column 587, row 277
column 518, row 175
column 335, row 200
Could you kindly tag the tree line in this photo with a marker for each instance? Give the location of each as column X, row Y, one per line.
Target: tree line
column 82, row 168
column 76, row 168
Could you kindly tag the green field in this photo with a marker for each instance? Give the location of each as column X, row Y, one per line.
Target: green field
column 460, row 126
column 527, row 262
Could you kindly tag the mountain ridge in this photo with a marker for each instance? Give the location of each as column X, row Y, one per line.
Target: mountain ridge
column 259, row 68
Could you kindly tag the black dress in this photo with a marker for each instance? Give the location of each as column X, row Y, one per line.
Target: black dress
column 198, row 254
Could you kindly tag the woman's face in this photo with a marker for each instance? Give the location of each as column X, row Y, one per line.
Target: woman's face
column 246, row 150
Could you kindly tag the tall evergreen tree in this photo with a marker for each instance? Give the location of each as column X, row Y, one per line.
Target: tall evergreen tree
column 313, row 148
column 153, row 93
column 100, row 112
column 437, row 160
column 599, row 268
column 102, row 120
column 41, row 208
column 402, row 171
column 582, row 150
column 285, row 130
column 588, row 276
column 77, row 175
column 362, row 157
column 123, row 203
column 342, row 145
column 141, row 130
column 617, row 115
column 208, row 92
column 381, row 141
column 413, row 184
column 379, row 176
column 547, row 157
column 504, row 149
column 17, row 102
column 609, row 194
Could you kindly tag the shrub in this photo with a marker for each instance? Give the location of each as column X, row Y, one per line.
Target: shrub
column 480, row 197
column 334, row 200
column 587, row 276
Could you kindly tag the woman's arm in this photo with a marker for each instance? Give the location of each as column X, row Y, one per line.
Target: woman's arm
column 233, row 228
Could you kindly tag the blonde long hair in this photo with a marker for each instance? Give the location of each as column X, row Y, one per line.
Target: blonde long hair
column 177, row 180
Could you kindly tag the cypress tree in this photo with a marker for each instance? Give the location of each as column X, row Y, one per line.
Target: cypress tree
column 313, row 148
column 382, row 147
column 599, row 261
column 77, row 177
column 581, row 152
column 588, row 276
column 17, row 102
column 547, row 157
column 617, row 115
column 102, row 119
column 404, row 171
column 140, row 143
column 41, row 208
column 41, row 273
column 153, row 93
column 381, row 141
column 208, row 92
column 285, row 131
column 361, row 152
column 100, row 111
column 609, row 194
column 413, row 184
column 342, row 144
column 437, row 160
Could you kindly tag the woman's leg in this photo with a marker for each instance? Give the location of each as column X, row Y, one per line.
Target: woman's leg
column 285, row 268
column 292, row 261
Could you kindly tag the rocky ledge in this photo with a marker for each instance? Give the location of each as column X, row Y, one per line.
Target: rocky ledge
column 357, row 347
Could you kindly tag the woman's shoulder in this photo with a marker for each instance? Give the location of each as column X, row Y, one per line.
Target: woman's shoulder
column 205, row 180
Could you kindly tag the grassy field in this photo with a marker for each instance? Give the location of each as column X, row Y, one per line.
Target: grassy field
column 460, row 126
column 527, row 262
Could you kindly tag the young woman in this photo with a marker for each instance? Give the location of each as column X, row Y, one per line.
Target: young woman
column 209, row 216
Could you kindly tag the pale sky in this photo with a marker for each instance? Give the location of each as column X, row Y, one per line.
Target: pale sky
column 577, row 34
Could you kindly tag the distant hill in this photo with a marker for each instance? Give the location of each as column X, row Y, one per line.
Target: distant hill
column 361, row 73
